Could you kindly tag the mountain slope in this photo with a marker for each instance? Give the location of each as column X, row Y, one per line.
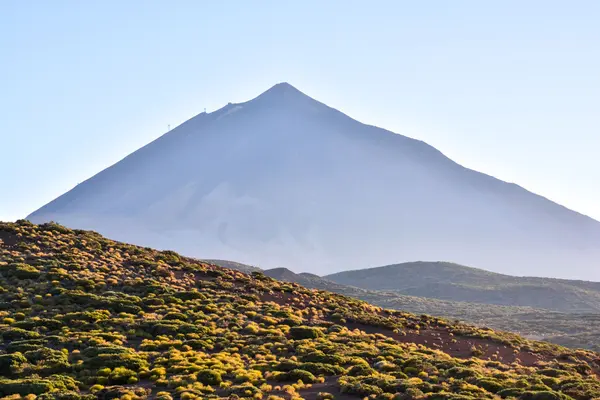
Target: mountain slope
column 88, row 318
column 447, row 281
column 576, row 330
column 234, row 265
column 285, row 181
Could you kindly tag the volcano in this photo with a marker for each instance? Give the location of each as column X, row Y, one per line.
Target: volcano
column 286, row 181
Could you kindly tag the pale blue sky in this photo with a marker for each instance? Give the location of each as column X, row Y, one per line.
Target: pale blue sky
column 510, row 88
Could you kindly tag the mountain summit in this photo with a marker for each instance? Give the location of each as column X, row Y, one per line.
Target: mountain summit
column 285, row 181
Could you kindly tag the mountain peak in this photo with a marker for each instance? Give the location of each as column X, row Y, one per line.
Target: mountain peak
column 285, row 180
column 284, row 92
column 283, row 87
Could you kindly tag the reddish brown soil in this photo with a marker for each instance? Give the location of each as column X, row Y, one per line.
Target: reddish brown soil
column 330, row 386
column 462, row 347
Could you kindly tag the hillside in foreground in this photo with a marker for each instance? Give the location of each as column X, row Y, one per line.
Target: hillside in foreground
column 84, row 317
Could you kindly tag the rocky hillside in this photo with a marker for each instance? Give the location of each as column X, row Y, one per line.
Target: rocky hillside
column 84, row 317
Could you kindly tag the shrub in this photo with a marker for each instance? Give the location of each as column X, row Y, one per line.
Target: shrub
column 360, row 370
column 458, row 372
column 305, row 332
column 552, row 372
column 48, row 359
column 361, row 389
column 300, row 374
column 19, row 334
column 175, row 316
column 543, row 395
column 11, row 364
column 490, row 385
column 510, row 392
column 96, row 388
column 245, row 390
column 24, row 386
column 321, row 369
column 25, row 345
column 325, row 396
column 163, row 396
column 320, row 357
column 209, row 377
column 129, row 361
column 199, row 344
column 21, row 271
column 122, row 375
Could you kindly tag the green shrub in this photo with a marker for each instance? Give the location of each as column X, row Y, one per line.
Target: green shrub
column 305, row 332
column 18, row 334
column 510, row 392
column 325, row 396
column 21, row 271
column 300, row 374
column 209, row 377
column 96, row 388
column 321, row 369
column 129, row 361
column 360, row 370
column 552, row 372
column 458, row 372
column 292, row 321
column 24, row 386
column 490, row 385
column 244, row 390
column 543, row 395
column 361, row 389
column 25, row 345
column 121, row 375
column 47, row 355
column 11, row 364
column 321, row 357
column 175, row 316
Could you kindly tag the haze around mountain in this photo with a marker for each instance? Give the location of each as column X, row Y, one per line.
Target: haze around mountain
column 286, row 181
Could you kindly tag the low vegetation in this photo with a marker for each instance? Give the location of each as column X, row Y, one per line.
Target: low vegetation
column 84, row 317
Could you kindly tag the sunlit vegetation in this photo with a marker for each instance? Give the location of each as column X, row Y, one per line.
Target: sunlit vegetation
column 84, row 317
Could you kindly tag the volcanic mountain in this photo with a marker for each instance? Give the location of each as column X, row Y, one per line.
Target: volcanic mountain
column 286, row 181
